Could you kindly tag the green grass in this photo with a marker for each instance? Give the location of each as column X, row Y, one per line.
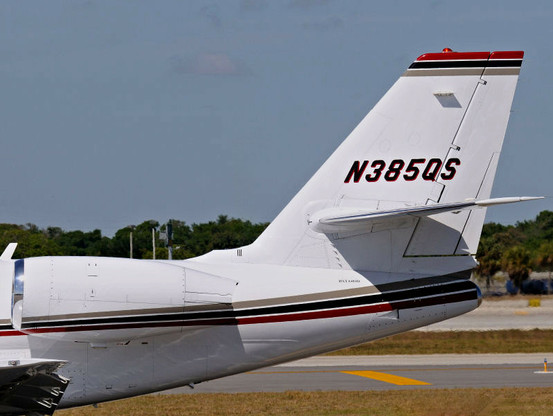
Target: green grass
column 428, row 402
column 457, row 342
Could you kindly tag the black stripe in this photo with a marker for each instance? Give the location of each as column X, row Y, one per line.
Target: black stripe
column 465, row 64
column 424, row 281
column 495, row 63
column 436, row 300
column 430, row 287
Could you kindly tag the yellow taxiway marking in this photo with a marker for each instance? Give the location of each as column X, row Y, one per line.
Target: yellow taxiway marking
column 533, row 367
column 388, row 378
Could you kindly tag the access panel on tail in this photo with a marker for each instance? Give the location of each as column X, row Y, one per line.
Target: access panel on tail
column 434, row 138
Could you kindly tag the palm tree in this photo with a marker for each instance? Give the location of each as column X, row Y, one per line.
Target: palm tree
column 544, row 259
column 516, row 263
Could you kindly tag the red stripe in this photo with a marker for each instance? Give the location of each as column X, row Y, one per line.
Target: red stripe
column 452, row 56
column 331, row 313
column 11, row 333
column 507, row 55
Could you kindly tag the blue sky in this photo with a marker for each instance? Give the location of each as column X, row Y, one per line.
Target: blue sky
column 114, row 112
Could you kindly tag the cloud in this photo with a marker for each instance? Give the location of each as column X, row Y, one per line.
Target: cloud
column 330, row 23
column 209, row 64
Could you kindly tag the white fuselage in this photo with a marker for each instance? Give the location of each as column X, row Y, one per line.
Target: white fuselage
column 160, row 325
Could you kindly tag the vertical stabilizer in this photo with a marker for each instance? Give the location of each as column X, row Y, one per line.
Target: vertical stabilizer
column 435, row 137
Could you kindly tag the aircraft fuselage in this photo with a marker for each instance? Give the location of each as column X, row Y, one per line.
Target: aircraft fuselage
column 193, row 325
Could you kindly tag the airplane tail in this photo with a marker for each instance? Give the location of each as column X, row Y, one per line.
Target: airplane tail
column 399, row 195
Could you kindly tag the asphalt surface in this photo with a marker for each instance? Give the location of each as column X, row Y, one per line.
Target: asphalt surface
column 388, row 373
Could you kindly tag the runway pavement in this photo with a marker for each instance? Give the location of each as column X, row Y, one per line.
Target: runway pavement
column 412, row 371
column 388, row 373
column 496, row 314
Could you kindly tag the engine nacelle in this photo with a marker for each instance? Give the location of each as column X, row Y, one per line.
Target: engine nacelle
column 100, row 299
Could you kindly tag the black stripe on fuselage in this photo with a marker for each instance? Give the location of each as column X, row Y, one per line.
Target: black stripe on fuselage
column 392, row 293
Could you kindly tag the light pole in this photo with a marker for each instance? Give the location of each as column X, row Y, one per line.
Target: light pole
column 131, row 227
column 154, row 243
column 170, row 239
column 154, row 224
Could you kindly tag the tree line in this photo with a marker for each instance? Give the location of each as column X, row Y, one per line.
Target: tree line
column 188, row 240
column 514, row 249
column 517, row 249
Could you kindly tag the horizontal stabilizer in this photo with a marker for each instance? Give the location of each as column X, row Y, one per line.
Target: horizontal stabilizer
column 334, row 220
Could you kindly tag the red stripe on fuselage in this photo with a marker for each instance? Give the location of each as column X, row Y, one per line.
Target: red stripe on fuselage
column 331, row 313
column 11, row 333
column 299, row 316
